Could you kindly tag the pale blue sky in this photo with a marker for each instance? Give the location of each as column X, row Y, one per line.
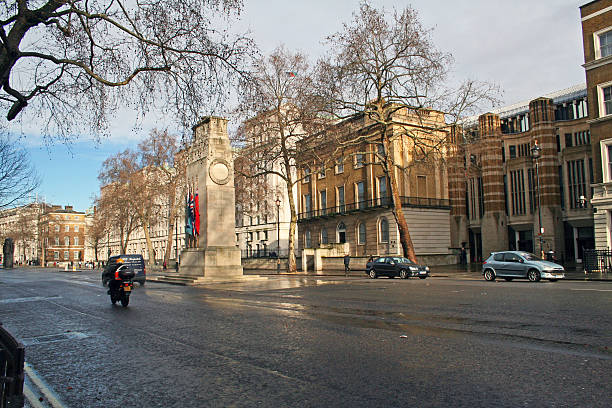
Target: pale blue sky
column 529, row 48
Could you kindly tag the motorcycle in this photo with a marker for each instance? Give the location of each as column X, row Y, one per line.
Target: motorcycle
column 121, row 286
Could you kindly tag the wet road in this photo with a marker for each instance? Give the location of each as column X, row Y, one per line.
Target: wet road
column 308, row 342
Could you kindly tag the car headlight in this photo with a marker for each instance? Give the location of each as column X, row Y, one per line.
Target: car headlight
column 427, row 268
column 414, row 268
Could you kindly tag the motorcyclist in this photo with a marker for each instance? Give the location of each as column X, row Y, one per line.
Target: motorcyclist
column 111, row 274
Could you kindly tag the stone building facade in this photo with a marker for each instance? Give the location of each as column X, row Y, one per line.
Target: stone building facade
column 494, row 179
column 345, row 198
column 596, row 19
column 21, row 224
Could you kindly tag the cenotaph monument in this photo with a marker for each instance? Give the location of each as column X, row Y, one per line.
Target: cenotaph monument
column 213, row 255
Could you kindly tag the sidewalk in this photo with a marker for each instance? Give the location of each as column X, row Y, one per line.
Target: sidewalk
column 471, row 271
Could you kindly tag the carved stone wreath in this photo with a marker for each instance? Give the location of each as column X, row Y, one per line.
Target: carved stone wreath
column 219, row 171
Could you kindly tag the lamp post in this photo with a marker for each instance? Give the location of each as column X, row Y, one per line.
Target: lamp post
column 278, row 203
column 536, row 152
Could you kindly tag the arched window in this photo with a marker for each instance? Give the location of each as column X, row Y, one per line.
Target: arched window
column 324, row 238
column 361, row 234
column 384, row 230
column 341, row 233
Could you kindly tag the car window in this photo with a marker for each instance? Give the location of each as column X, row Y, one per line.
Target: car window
column 531, row 257
column 380, row 260
column 405, row 261
column 498, row 257
column 511, row 257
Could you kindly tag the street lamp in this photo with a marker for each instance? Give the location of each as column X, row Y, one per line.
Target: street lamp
column 278, row 203
column 536, row 152
column 176, row 242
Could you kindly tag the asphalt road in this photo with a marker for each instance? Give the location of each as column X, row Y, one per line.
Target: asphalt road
column 312, row 342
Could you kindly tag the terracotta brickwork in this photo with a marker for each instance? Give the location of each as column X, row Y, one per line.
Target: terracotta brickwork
column 62, row 232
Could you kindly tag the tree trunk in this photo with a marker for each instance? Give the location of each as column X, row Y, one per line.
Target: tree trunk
column 291, row 264
column 145, row 227
column 398, row 212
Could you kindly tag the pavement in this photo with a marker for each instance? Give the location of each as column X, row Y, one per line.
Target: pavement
column 470, row 271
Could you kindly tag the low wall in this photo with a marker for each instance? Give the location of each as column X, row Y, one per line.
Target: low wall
column 359, row 262
column 263, row 263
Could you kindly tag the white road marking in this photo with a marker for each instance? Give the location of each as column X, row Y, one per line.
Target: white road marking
column 29, row 299
column 596, row 290
column 44, row 389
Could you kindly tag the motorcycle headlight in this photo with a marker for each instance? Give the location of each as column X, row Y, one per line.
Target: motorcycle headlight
column 427, row 268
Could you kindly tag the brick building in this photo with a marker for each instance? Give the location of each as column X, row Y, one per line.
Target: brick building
column 493, row 178
column 597, row 42
column 344, row 198
column 62, row 236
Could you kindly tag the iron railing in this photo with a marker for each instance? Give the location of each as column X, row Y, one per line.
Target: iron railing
column 368, row 205
column 12, row 355
column 597, row 260
column 263, row 253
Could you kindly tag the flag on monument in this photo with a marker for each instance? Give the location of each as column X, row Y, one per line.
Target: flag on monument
column 197, row 214
column 192, row 214
column 188, row 224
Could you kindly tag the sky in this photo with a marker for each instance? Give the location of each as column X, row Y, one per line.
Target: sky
column 528, row 48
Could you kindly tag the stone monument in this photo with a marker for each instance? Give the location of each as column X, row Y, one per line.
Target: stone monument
column 214, row 255
column 8, row 249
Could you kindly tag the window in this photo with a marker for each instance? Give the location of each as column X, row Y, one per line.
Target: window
column 561, row 187
column 57, row 228
column 66, row 255
column 76, row 240
column 359, row 160
column 77, row 255
column 323, row 201
column 56, row 255
column 76, row 228
column 382, row 190
column 361, row 234
column 324, row 238
column 307, row 239
column 384, row 230
column 308, row 204
column 603, row 43
column 321, row 173
column 531, row 182
column 512, row 152
column 340, row 165
column 576, row 181
column 341, row 233
column 360, row 189
column 568, row 140
column 517, row 188
column 340, row 200
column 306, row 175
column 606, row 95
column 380, row 152
column 56, row 240
column 67, row 241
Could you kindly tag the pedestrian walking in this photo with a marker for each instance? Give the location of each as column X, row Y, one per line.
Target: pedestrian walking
column 347, row 261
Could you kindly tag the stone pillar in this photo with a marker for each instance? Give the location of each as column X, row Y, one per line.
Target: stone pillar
column 494, row 222
column 541, row 122
column 457, row 191
column 210, row 173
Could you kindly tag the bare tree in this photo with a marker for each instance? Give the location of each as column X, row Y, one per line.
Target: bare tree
column 18, row 178
column 277, row 105
column 390, row 72
column 75, row 62
column 159, row 153
column 121, row 190
column 97, row 232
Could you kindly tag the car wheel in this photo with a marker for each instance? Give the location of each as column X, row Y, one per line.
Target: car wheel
column 403, row 274
column 489, row 275
column 533, row 275
column 141, row 283
column 373, row 274
column 508, row 279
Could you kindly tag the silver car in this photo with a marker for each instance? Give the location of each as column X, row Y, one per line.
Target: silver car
column 520, row 264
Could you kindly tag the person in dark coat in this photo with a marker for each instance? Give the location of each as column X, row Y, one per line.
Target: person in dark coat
column 347, row 268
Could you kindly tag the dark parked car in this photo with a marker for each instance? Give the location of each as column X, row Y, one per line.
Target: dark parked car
column 393, row 266
column 134, row 262
column 520, row 264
